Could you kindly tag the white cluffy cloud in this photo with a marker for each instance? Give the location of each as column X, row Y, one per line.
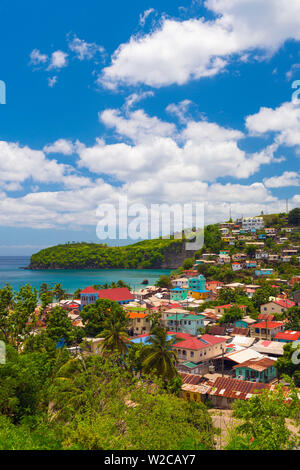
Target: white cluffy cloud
column 179, row 51
column 200, row 151
column 63, row 146
column 37, row 58
column 83, row 49
column 58, row 60
column 284, row 121
column 144, row 16
column 288, row 178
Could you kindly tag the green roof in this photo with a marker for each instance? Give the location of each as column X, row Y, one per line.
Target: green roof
column 191, row 365
column 182, row 316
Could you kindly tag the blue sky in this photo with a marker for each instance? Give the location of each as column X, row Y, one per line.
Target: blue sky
column 164, row 102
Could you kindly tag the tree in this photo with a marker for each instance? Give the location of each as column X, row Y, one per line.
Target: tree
column 264, row 421
column 188, row 263
column 115, row 326
column 231, row 314
column 93, row 315
column 159, row 358
column 294, row 216
column 289, row 363
column 293, row 318
column 23, row 316
column 77, row 293
column 164, row 281
column 6, row 305
column 59, row 292
column 44, row 289
column 59, row 326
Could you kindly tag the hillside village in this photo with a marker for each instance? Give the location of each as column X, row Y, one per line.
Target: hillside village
column 232, row 338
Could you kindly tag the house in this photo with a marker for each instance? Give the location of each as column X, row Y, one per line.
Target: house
column 217, row 330
column 287, row 336
column 296, row 296
column 212, row 285
column 266, row 329
column 250, row 264
column 224, row 259
column 277, row 306
column 240, row 331
column 191, row 272
column 273, row 258
column 221, row 392
column 144, row 338
column 199, row 350
column 249, row 223
column 239, row 257
column 180, row 282
column 294, row 280
column 178, row 293
column 269, row 348
column 197, row 287
column 89, row 295
column 256, row 370
column 260, row 254
column 220, row 309
column 139, row 322
column 186, row 323
column 165, row 314
column 244, row 322
column 236, row 266
column 263, row 272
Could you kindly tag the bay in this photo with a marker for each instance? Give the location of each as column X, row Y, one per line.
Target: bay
column 71, row 280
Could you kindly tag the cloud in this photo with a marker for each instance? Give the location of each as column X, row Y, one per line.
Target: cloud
column 288, row 178
column 82, row 49
column 176, row 52
column 62, row 146
column 18, row 164
column 58, row 60
column 135, row 98
column 284, row 121
column 199, row 151
column 37, row 58
column 144, row 16
column 52, row 81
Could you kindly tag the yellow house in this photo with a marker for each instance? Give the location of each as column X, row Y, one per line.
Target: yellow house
column 198, row 294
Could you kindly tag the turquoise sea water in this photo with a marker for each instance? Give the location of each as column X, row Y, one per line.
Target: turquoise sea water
column 71, row 279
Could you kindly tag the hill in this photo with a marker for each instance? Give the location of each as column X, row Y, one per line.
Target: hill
column 157, row 253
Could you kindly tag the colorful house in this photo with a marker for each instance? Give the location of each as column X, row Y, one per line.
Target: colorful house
column 178, row 293
column 256, row 370
column 287, row 336
column 186, row 323
column 89, row 295
column 263, row 272
column 266, row 329
column 197, row 288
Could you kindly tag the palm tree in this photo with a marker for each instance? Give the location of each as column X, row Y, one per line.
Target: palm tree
column 114, row 332
column 44, row 289
column 59, row 292
column 159, row 356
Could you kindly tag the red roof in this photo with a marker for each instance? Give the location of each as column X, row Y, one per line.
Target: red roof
column 198, row 343
column 285, row 303
column 118, row 294
column 288, row 335
column 268, row 324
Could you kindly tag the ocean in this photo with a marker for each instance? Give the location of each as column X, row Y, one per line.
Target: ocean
column 11, row 272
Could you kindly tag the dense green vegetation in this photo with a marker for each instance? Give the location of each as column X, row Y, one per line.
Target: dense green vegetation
column 143, row 255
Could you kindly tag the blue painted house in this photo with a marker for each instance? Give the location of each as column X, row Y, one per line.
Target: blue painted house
column 178, row 293
column 121, row 295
